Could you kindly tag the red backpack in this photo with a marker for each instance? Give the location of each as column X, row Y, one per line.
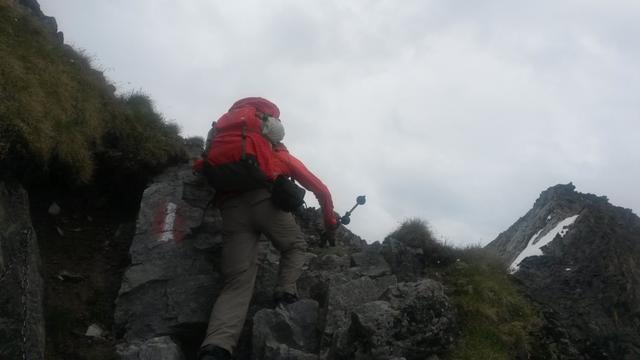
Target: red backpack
column 239, row 157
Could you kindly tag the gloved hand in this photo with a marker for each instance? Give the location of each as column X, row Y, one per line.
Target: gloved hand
column 329, row 236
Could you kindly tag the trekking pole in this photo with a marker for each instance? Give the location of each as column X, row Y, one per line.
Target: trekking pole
column 346, row 219
column 329, row 236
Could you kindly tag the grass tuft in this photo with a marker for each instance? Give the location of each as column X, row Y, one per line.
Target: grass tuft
column 496, row 320
column 59, row 117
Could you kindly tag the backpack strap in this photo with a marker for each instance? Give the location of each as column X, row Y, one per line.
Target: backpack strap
column 244, row 142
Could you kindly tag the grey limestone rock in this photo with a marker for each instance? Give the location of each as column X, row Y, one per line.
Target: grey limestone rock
column 286, row 331
column 172, row 282
column 411, row 320
column 22, row 330
column 160, row 348
column 370, row 262
column 406, row 262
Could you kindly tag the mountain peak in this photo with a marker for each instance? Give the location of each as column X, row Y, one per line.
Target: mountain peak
column 576, row 254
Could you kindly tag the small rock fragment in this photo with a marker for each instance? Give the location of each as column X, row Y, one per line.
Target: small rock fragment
column 54, row 209
column 95, row 331
column 65, row 275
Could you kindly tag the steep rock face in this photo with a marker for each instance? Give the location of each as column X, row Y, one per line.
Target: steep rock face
column 172, row 281
column 167, row 292
column 588, row 272
column 21, row 316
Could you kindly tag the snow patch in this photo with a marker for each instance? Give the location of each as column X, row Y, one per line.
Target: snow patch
column 534, row 247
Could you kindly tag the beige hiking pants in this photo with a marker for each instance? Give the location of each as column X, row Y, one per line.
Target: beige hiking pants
column 244, row 218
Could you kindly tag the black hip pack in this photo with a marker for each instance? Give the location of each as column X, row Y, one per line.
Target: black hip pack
column 286, row 194
column 236, row 177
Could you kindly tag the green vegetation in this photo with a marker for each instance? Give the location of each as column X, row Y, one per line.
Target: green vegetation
column 497, row 321
column 495, row 318
column 59, row 117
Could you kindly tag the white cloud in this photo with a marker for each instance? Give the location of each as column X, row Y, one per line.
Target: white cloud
column 457, row 112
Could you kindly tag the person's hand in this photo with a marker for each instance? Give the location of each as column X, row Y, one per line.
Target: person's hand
column 329, row 236
column 338, row 218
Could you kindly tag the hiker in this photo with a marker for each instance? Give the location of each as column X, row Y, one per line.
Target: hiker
column 249, row 167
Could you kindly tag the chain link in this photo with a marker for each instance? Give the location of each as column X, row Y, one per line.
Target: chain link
column 9, row 267
column 24, row 285
column 25, row 291
column 7, row 271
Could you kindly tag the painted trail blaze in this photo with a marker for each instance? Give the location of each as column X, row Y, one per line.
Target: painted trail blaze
column 168, row 223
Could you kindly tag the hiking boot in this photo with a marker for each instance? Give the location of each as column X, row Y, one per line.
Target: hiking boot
column 213, row 352
column 284, row 298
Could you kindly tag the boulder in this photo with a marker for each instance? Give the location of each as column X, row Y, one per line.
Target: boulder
column 172, row 281
column 370, row 262
column 407, row 262
column 411, row 321
column 286, row 331
column 22, row 333
column 428, row 320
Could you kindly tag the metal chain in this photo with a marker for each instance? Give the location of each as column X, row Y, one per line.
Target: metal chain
column 7, row 270
column 24, row 284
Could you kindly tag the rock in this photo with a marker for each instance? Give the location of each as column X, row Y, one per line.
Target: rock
column 412, row 321
column 54, row 209
column 370, row 333
column 428, row 320
column 344, row 296
column 95, row 331
column 21, row 297
column 279, row 333
column 283, row 352
column 370, row 262
column 160, row 348
column 65, row 275
column 405, row 261
column 173, row 255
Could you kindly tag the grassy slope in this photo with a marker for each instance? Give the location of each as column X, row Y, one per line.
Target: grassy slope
column 69, row 139
column 496, row 320
column 59, row 116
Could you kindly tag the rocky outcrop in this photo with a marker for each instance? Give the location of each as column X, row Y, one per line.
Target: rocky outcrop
column 351, row 307
column 22, row 333
column 172, row 281
column 48, row 22
column 160, row 348
column 554, row 204
column 587, row 276
column 411, row 320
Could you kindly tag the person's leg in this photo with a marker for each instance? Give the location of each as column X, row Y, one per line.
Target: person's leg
column 281, row 228
column 238, row 266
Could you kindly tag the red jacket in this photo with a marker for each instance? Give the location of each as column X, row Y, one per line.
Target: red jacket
column 289, row 165
column 273, row 161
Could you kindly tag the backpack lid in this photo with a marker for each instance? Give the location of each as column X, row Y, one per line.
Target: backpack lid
column 260, row 104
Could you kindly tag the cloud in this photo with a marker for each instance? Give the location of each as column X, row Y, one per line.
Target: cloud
column 457, row 112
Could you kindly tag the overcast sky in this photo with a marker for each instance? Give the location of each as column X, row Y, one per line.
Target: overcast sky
column 457, row 112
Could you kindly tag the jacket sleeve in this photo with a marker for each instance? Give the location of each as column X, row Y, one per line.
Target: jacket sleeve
column 307, row 179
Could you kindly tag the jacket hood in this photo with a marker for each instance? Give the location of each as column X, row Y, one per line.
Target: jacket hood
column 260, row 104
